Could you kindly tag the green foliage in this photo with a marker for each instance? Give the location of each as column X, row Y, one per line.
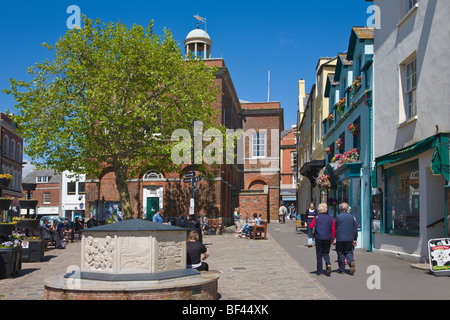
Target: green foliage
column 111, row 97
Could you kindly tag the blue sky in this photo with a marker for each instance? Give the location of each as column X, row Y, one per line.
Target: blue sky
column 286, row 37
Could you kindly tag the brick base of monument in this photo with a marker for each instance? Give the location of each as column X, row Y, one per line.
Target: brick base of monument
column 202, row 287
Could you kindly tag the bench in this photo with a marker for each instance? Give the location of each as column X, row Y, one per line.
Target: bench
column 48, row 242
column 260, row 232
column 215, row 225
column 300, row 226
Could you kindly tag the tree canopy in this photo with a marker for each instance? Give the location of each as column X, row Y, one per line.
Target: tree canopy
column 111, row 98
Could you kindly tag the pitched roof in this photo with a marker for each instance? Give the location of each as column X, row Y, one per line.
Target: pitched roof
column 53, row 177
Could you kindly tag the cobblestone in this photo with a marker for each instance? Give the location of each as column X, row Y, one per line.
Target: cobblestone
column 248, row 270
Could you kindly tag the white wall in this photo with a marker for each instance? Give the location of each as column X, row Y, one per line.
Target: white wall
column 75, row 201
column 425, row 33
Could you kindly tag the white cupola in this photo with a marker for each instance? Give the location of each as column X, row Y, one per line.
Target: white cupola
column 198, row 42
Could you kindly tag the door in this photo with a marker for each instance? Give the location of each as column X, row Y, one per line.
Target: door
column 152, row 207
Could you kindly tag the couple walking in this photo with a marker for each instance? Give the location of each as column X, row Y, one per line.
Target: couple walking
column 342, row 231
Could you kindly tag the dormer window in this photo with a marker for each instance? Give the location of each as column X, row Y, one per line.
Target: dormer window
column 42, row 179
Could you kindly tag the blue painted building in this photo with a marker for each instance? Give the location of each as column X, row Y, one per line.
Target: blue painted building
column 348, row 133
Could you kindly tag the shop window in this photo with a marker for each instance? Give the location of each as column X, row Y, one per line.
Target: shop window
column 402, row 200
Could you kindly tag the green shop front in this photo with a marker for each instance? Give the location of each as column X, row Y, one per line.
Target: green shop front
column 351, row 184
column 410, row 201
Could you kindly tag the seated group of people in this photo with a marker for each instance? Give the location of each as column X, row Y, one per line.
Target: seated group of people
column 61, row 232
column 247, row 229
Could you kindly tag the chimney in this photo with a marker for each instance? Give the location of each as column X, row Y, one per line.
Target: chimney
column 301, row 99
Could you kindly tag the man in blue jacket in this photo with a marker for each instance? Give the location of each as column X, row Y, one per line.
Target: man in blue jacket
column 346, row 236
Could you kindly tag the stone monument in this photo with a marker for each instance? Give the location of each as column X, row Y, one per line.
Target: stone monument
column 144, row 258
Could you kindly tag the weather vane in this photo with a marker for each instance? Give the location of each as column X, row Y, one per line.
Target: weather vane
column 200, row 19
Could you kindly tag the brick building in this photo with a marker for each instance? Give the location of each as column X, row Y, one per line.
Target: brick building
column 216, row 197
column 288, row 179
column 263, row 122
column 47, row 192
column 11, row 159
column 257, row 180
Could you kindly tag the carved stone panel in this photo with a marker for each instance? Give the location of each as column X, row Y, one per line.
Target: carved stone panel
column 99, row 254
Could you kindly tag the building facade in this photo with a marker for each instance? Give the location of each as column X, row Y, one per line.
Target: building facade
column 11, row 160
column 348, row 133
column 310, row 145
column 73, row 195
column 47, row 192
column 288, row 160
column 263, row 122
column 411, row 122
column 217, row 194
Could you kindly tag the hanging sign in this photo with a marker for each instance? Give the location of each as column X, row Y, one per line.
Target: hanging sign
column 191, row 207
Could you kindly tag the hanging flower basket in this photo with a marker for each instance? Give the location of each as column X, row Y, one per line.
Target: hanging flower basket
column 354, row 129
column 28, row 204
column 29, row 186
column 340, row 107
column 5, row 180
column 28, row 224
column 330, row 118
column 356, row 85
column 5, row 203
column 323, row 180
column 340, row 143
column 329, row 150
column 7, row 229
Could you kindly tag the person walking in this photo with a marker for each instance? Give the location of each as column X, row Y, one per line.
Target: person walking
column 324, row 234
column 282, row 213
column 346, row 238
column 237, row 221
column 310, row 214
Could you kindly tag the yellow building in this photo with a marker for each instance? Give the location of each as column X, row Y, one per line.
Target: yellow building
column 313, row 109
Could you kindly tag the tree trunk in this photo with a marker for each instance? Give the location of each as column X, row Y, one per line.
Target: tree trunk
column 122, row 187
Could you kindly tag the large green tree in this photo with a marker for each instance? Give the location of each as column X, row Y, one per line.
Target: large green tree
column 110, row 98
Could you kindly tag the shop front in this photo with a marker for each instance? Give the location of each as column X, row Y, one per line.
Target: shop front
column 410, row 198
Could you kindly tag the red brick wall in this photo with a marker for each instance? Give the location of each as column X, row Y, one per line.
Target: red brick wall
column 41, row 188
column 259, row 116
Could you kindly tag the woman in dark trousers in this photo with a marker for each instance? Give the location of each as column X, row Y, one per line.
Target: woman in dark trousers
column 324, row 234
column 310, row 214
column 195, row 249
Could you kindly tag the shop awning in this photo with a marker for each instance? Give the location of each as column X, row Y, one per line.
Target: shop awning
column 311, row 169
column 408, row 152
column 440, row 163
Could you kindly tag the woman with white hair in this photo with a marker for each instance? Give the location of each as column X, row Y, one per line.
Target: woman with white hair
column 324, row 234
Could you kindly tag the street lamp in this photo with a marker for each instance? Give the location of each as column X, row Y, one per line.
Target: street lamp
column 194, row 131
